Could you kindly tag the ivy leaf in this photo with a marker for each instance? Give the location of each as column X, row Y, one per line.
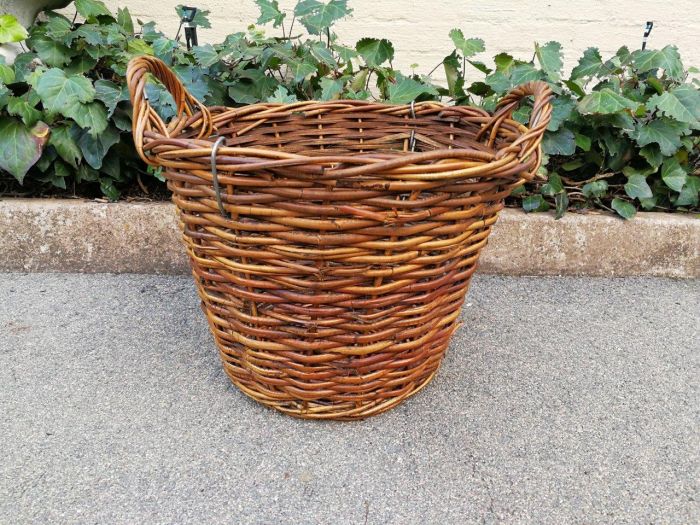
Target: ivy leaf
column 11, row 30
column 331, row 89
column 163, row 48
column 7, row 74
column 550, row 58
column 281, row 95
column 88, row 32
column 561, row 111
column 405, row 89
column 23, row 108
column 595, row 189
column 110, row 94
column 589, row 65
column 323, row 54
column 50, row 52
column 667, row 59
column 301, row 70
column 201, row 17
column 58, row 27
column 20, row 146
column 535, row 203
column 498, row 81
column 652, row 154
column 623, row 208
column 523, row 73
column 91, row 9
column 346, row 54
column 504, row 62
column 467, row 46
column 92, row 117
column 64, row 94
column 681, row 103
column 673, row 174
column 452, row 68
column 561, row 203
column 604, row 102
column 95, row 147
column 80, row 64
column 637, row 186
column 63, row 140
column 561, row 142
column 554, row 185
column 374, row 51
column 583, row 141
column 689, row 193
column 206, row 55
column 663, row 131
column 269, row 12
column 317, row 17
column 125, row 21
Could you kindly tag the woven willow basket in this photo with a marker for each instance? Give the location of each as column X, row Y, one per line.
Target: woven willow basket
column 332, row 243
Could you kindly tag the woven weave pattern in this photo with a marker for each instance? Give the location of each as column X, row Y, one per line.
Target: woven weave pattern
column 333, row 279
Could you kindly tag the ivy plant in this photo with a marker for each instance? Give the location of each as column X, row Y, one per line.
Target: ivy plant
column 624, row 132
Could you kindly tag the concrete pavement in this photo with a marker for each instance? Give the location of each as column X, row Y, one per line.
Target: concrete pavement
column 561, row 400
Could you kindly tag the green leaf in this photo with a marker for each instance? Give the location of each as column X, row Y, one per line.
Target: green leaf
column 24, row 65
column 91, row 9
column 652, row 154
column 681, row 103
column 499, row 82
column 604, row 102
column 163, row 48
column 523, row 73
column 50, row 52
column 282, row 96
column 94, row 148
column 667, row 59
column 589, row 65
column 331, row 89
column 110, row 94
column 575, row 87
column 637, row 187
column 467, row 46
column 301, row 70
column 58, row 27
column 346, row 54
column 554, row 185
column 11, row 30
column 64, row 94
column 22, row 107
column 375, row 52
column 561, row 142
column 662, row 131
column 206, row 55
column 595, row 189
column 63, row 139
column 504, row 62
column 535, row 203
column 673, row 174
column 405, row 89
column 623, row 208
column 550, row 58
column 89, row 32
column 561, row 111
column 81, row 64
column 125, row 21
column 689, row 193
column 269, row 12
column 7, row 74
column 92, row 117
column 321, row 53
column 561, row 203
column 317, row 17
column 452, row 73
column 583, row 142
column 20, row 146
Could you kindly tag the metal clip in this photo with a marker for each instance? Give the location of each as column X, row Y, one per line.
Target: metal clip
column 412, row 139
column 215, row 176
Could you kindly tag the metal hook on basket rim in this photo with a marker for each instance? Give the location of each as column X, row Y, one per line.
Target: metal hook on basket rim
column 412, row 138
column 215, row 176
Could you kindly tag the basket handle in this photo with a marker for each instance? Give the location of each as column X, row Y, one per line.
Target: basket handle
column 145, row 117
column 539, row 118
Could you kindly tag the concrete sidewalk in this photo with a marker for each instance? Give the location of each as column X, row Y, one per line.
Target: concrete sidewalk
column 561, row 401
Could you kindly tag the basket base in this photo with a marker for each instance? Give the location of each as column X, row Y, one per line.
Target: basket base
column 328, row 411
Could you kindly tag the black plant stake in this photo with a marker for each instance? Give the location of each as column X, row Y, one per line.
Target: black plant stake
column 187, row 21
column 647, row 31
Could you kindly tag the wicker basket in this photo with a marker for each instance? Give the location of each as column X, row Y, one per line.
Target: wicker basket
column 332, row 243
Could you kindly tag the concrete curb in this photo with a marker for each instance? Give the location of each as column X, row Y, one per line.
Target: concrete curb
column 46, row 235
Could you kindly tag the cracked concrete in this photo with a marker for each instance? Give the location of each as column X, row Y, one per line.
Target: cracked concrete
column 561, row 400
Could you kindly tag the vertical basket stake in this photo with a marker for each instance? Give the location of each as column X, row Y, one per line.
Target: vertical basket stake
column 412, row 139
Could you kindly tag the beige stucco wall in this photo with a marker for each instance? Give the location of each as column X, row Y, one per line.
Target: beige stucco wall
column 418, row 28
